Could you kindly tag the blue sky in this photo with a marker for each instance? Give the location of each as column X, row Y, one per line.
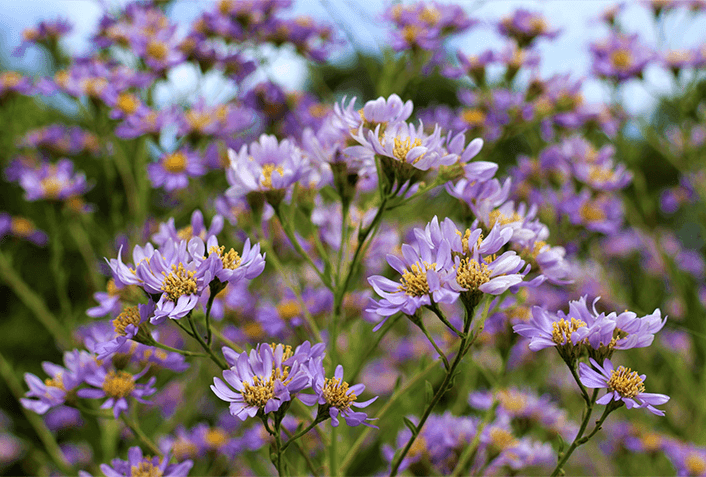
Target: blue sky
column 568, row 53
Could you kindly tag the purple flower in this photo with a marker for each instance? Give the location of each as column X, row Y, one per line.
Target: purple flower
column 229, row 266
column 117, row 386
column 53, row 182
column 622, row 384
column 12, row 82
column 335, row 396
column 174, row 169
column 620, row 57
column 197, row 228
column 131, row 324
column 136, row 464
column 525, row 26
column 23, row 228
column 262, row 381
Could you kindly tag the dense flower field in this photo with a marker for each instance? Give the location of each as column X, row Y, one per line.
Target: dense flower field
column 425, row 263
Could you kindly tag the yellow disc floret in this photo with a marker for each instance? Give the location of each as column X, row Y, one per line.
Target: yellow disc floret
column 625, row 382
column 118, row 384
column 179, row 282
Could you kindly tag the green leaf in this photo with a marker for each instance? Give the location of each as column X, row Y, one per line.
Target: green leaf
column 429, row 391
column 412, row 427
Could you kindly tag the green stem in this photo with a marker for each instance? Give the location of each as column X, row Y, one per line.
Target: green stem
column 135, row 428
column 57, row 259
column 290, row 233
column 471, row 450
column 182, row 352
column 578, row 439
column 86, row 251
column 303, row 453
column 194, row 333
column 353, row 451
column 211, row 297
column 44, row 434
column 374, row 346
column 228, row 342
column 34, row 302
column 433, row 343
column 296, row 436
column 435, row 308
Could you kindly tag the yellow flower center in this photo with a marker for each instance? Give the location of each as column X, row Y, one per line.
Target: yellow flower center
column 215, row 438
column 94, row 86
column 512, row 400
column 600, row 174
column 621, row 59
column 231, row 259
column 591, row 213
column 414, row 282
column 21, row 227
column 174, row 162
column 402, row 148
column 501, row 439
column 538, row 25
column 130, row 316
column 51, row 187
column 473, row 116
column 267, row 170
column 695, row 464
column 179, row 282
column 56, row 382
column 288, row 309
column 429, row 15
column 197, row 120
column 185, row 233
column 336, row 394
column 10, row 79
column 626, row 382
column 410, row 33
column 145, row 469
column 183, row 449
column 127, row 103
column 30, row 34
column 157, row 49
column 470, row 274
column 62, row 78
column 118, row 384
column 318, row 110
column 652, row 442
column 562, row 329
column 497, row 217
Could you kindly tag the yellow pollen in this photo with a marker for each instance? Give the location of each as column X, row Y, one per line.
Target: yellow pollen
column 185, row 233
column 600, row 174
column 287, row 352
column 538, row 25
column 179, row 283
column 61, row 78
column 430, row 15
column 537, row 247
column 157, row 49
column 473, row 116
column 512, row 401
column 21, row 227
column 621, row 59
column 224, row 6
column 414, row 282
column 592, row 213
column 145, row 469
column 118, row 384
column 30, row 34
column 183, row 449
column 230, row 259
column 127, row 103
column 470, row 274
column 215, row 438
column 652, row 442
column 94, row 86
column 318, row 110
column 288, row 309
column 419, row 447
column 130, row 316
column 336, row 394
column 253, row 330
column 695, row 464
column 51, row 187
column 174, row 162
column 561, row 330
column 261, row 391
column 501, row 439
column 56, row 382
column 676, row 56
column 497, row 217
column 626, row 382
column 267, row 170
column 410, row 33
column 402, row 148
column 10, row 79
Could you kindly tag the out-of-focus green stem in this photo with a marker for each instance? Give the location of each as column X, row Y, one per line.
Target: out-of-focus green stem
column 228, row 342
column 57, row 260
column 353, row 451
column 135, row 428
column 34, row 302
column 50, row 444
column 86, row 250
column 578, row 440
column 471, row 450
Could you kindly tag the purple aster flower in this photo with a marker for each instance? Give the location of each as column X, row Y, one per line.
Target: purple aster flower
column 131, row 324
column 262, row 381
column 229, row 266
column 54, row 391
column 53, row 182
column 117, row 386
column 335, row 396
column 22, row 228
column 620, row 57
column 546, row 329
column 197, row 228
column 375, row 112
column 268, row 167
column 525, row 26
column 139, row 465
column 622, row 384
column 14, row 83
column 45, row 33
column 174, row 169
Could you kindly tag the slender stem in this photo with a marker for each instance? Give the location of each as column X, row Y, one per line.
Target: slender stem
column 44, row 434
column 374, row 345
column 435, row 308
column 211, row 297
column 57, row 259
column 34, row 302
column 577, row 440
column 216, row 359
column 433, row 343
column 135, row 428
column 584, row 393
column 289, row 232
column 303, row 453
column 471, row 450
column 463, row 348
column 293, row 438
column 353, row 451
column 182, row 352
column 84, row 247
column 228, row 342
